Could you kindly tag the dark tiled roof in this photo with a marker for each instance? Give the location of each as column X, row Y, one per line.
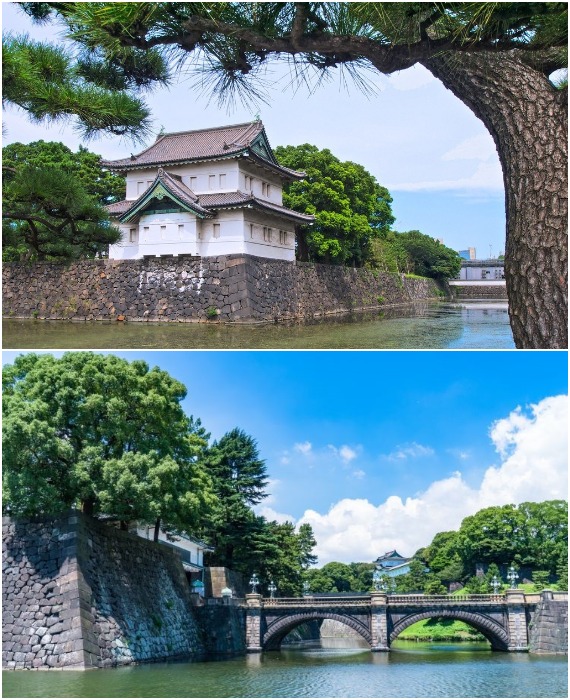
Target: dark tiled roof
column 118, row 208
column 229, row 199
column 202, row 144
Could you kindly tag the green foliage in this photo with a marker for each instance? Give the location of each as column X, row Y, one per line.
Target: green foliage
column 440, row 629
column 349, row 205
column 562, row 571
column 532, row 534
column 242, row 540
column 414, row 581
column 48, row 215
column 50, row 85
column 104, row 186
column 102, row 433
column 540, row 579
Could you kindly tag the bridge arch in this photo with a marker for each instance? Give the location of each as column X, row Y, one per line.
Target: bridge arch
column 279, row 629
column 495, row 633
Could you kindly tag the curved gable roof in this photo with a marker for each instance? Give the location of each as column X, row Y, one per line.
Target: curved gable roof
column 206, row 144
column 167, row 185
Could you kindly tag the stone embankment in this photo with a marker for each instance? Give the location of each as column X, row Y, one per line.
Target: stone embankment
column 548, row 633
column 227, row 288
column 79, row 594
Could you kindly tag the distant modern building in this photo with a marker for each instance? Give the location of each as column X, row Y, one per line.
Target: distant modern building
column 393, row 564
column 206, row 193
column 482, row 270
column 468, row 254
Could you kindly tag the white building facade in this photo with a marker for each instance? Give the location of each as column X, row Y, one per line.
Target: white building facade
column 206, row 193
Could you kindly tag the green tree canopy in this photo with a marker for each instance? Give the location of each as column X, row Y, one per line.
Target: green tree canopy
column 495, row 57
column 104, row 186
column 349, row 205
column 104, row 434
column 48, row 215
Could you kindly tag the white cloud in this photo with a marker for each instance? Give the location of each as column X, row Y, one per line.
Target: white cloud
column 270, row 514
column 487, row 176
column 533, row 447
column 304, row 448
column 480, row 147
column 358, row 474
column 345, row 453
column 410, row 451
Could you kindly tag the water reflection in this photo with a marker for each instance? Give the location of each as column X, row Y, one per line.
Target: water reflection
column 421, row 325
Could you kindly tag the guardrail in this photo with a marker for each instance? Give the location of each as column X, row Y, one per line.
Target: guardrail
column 446, row 599
column 309, row 601
column 410, row 599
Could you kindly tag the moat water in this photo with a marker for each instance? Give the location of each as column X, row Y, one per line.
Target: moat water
column 339, row 668
column 433, row 325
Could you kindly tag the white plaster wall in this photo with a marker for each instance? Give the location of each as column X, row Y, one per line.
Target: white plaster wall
column 177, row 236
column 201, row 171
column 235, row 236
column 259, row 177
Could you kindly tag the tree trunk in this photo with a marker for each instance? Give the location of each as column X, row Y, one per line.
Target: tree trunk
column 156, row 529
column 528, row 119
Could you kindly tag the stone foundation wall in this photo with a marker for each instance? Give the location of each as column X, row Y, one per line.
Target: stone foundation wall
column 481, row 291
column 228, row 288
column 548, row 633
column 80, row 594
column 224, row 622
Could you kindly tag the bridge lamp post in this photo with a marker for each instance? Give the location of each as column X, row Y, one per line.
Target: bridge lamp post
column 272, row 588
column 306, row 588
column 377, row 579
column 495, row 584
column 513, row 577
column 254, row 583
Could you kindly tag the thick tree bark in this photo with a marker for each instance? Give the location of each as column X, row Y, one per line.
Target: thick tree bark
column 528, row 119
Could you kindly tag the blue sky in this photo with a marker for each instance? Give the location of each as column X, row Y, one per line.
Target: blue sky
column 413, row 135
column 369, row 430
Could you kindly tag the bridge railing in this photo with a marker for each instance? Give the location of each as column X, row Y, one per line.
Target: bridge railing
column 409, row 599
column 312, row 602
column 423, row 599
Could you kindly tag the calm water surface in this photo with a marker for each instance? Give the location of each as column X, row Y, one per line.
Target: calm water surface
column 409, row 670
column 470, row 325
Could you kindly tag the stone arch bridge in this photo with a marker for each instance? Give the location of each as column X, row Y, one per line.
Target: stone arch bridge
column 379, row 618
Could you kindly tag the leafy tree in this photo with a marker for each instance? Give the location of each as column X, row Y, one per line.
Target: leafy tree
column 415, row 580
column 104, row 186
column 362, row 576
column 428, row 257
column 540, row 579
column 239, row 478
column 48, row 215
column 104, row 434
column 349, row 205
column 334, row 577
column 495, row 57
column 562, row 570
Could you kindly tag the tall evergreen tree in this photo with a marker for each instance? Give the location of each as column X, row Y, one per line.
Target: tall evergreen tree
column 239, row 477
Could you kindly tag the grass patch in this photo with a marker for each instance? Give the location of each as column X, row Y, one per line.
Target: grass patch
column 440, row 629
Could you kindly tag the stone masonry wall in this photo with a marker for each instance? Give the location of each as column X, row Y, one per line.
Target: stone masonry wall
column 224, row 621
column 481, row 291
column 80, row 594
column 229, row 288
column 548, row 633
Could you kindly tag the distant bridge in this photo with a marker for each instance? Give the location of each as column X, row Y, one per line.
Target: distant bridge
column 379, row 618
